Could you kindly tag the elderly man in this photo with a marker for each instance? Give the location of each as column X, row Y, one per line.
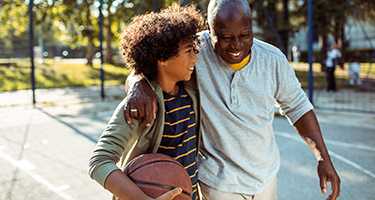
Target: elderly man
column 241, row 79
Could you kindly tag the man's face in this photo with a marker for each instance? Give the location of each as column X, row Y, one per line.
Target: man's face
column 232, row 35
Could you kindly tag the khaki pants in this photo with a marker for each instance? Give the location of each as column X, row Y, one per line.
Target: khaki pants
column 209, row 193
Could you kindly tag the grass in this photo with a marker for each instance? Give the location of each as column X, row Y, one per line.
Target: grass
column 56, row 74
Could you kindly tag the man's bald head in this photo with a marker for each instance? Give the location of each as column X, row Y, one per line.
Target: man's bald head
column 217, row 8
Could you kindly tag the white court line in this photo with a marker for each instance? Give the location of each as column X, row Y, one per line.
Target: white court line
column 35, row 176
column 343, row 144
column 352, row 164
column 333, row 154
column 354, row 146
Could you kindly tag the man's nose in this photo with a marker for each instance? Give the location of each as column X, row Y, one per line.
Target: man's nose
column 236, row 43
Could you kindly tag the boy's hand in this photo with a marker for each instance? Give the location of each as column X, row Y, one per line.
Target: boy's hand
column 141, row 102
column 170, row 195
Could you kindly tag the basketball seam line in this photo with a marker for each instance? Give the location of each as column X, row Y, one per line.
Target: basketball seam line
column 156, row 161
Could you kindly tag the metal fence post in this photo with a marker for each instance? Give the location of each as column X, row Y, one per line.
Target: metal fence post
column 31, row 34
column 310, row 56
column 101, row 49
column 155, row 5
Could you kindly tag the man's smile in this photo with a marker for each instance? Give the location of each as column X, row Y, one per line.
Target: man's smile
column 235, row 54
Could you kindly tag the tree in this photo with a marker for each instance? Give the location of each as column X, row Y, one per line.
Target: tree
column 73, row 23
column 117, row 15
column 273, row 18
column 14, row 23
column 80, row 24
column 330, row 17
column 365, row 10
column 14, row 28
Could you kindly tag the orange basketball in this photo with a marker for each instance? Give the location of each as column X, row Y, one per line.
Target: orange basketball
column 157, row 173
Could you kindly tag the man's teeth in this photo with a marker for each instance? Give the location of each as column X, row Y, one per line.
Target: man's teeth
column 192, row 68
column 235, row 54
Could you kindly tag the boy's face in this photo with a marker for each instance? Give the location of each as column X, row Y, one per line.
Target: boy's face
column 180, row 67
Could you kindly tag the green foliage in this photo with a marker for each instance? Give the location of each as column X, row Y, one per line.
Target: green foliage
column 365, row 10
column 75, row 23
column 12, row 16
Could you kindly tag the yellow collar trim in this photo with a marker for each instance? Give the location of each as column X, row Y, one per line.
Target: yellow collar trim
column 242, row 64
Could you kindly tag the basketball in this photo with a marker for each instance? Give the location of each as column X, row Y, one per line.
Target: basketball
column 157, row 173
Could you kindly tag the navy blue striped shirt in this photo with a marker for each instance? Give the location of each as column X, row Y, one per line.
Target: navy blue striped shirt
column 179, row 137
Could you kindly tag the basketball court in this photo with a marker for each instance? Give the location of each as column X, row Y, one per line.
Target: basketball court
column 44, row 153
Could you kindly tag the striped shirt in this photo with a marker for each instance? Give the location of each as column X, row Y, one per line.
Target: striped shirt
column 179, row 137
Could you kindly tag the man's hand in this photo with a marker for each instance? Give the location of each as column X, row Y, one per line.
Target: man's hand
column 308, row 128
column 327, row 173
column 141, row 102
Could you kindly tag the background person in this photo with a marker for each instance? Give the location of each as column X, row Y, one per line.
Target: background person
column 296, row 53
column 332, row 60
column 241, row 79
column 161, row 47
column 354, row 70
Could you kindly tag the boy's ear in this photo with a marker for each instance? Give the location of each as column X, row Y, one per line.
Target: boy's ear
column 161, row 63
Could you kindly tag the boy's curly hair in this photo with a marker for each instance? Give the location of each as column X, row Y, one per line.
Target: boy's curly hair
column 157, row 36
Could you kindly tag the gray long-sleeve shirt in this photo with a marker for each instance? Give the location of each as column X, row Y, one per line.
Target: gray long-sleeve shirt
column 239, row 151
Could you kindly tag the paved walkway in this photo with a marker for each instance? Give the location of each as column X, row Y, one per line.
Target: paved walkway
column 42, row 158
column 44, row 150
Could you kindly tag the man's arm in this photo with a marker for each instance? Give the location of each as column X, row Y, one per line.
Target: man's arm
column 140, row 100
column 308, row 128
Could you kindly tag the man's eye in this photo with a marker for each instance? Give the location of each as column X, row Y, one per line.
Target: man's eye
column 226, row 38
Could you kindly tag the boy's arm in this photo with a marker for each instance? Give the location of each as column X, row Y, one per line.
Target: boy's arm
column 123, row 188
column 108, row 151
column 308, row 128
column 140, row 100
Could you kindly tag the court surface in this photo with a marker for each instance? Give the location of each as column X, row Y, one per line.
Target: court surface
column 44, row 153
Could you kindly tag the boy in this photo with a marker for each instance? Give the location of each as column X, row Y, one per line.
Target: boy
column 162, row 48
